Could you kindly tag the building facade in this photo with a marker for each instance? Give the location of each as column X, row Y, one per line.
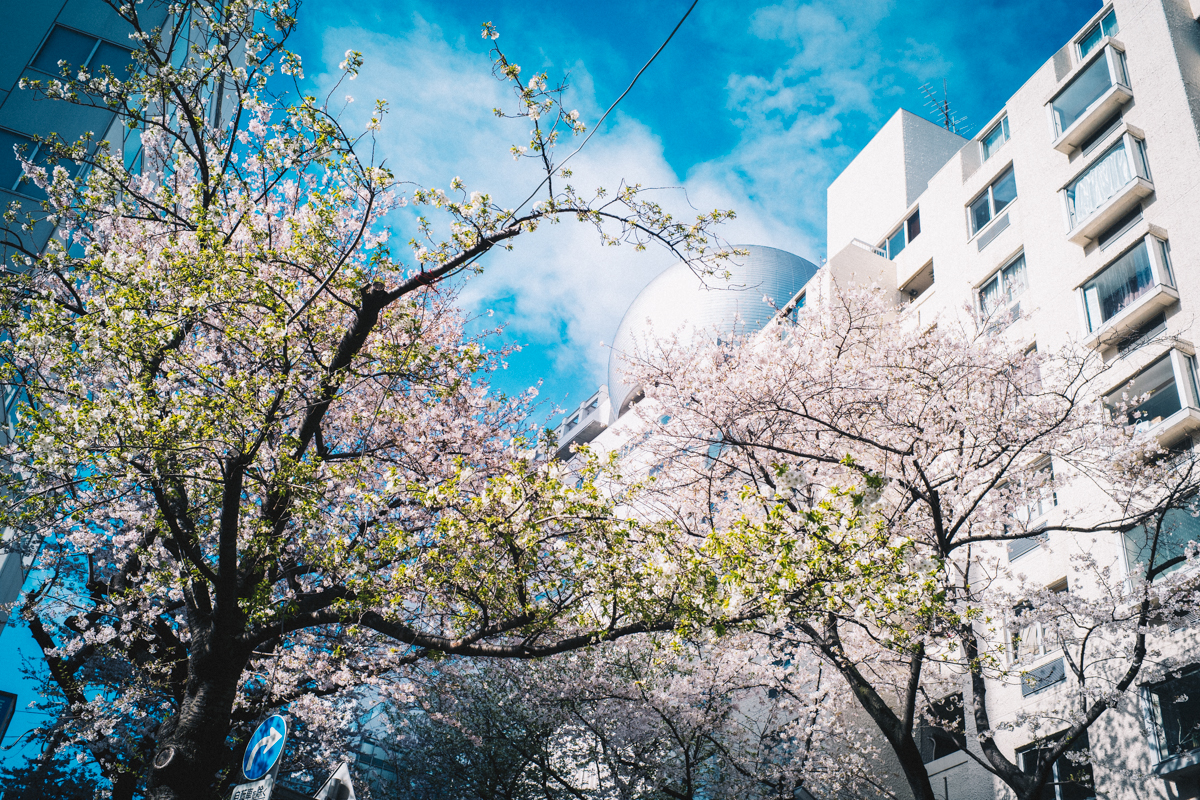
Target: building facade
column 1071, row 219
column 82, row 33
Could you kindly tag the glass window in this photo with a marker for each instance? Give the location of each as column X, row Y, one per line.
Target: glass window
column 1176, row 530
column 1077, row 98
column 11, row 175
column 913, row 224
column 994, row 199
column 1070, row 777
column 1108, row 175
column 117, row 59
column 1115, row 289
column 1175, row 708
column 899, row 238
column 1003, row 289
column 1105, row 27
column 994, row 138
column 80, row 50
column 936, row 729
column 1032, row 639
column 64, row 44
column 1150, row 397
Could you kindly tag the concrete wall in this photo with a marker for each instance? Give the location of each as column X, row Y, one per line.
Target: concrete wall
column 872, row 194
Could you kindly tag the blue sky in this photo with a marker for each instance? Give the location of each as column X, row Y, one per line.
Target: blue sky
column 751, row 107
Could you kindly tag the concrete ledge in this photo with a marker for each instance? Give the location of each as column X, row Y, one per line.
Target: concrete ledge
column 1142, row 309
column 1096, row 115
column 1112, row 210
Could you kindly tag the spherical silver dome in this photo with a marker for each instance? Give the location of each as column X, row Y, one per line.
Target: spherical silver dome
column 679, row 301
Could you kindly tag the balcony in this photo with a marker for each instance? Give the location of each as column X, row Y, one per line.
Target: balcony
column 1173, row 711
column 1112, row 185
column 1099, row 87
column 1127, row 293
column 1160, row 400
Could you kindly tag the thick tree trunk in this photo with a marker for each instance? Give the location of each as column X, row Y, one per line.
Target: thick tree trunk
column 191, row 747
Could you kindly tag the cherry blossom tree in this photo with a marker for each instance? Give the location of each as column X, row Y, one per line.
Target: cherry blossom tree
column 258, row 449
column 638, row 718
column 860, row 477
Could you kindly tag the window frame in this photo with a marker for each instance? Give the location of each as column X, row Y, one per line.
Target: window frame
column 1104, row 14
column 1136, row 151
column 1001, row 125
column 1015, row 628
column 989, row 192
column 911, row 220
column 1157, row 253
column 1054, row 782
column 1152, row 712
column 1087, row 118
column 1183, row 371
column 993, row 320
column 97, row 41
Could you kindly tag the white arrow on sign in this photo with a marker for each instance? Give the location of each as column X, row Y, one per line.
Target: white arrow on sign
column 264, row 743
column 338, row 787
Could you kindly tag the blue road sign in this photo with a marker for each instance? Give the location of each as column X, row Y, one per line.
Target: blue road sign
column 264, row 748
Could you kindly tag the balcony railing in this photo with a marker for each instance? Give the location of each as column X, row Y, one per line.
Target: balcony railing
column 1128, row 292
column 1108, row 189
column 1089, row 99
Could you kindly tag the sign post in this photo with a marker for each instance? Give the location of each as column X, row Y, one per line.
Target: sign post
column 260, row 764
column 338, row 786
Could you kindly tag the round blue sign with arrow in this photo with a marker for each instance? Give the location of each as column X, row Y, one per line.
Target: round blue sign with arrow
column 264, row 748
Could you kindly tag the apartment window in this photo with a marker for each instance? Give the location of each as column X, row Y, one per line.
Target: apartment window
column 80, row 50
column 998, row 297
column 12, row 177
column 1070, row 776
column 1107, row 26
column 994, row 138
column 573, row 422
column 1155, row 393
column 934, row 733
column 1177, row 529
column 1175, row 713
column 1084, row 93
column 993, row 200
column 1124, row 281
column 899, row 238
column 1120, row 164
column 1033, row 638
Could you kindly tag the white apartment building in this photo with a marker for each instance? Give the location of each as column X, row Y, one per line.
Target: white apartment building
column 1073, row 217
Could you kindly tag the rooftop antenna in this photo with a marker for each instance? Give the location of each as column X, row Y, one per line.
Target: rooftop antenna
column 942, row 111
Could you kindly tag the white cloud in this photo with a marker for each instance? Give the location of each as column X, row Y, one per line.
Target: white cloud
column 560, row 284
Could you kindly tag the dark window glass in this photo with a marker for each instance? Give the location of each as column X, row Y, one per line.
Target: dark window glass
column 1177, row 529
column 11, row 175
column 1176, row 707
column 118, row 59
column 914, row 225
column 64, row 44
column 981, row 213
column 1004, row 191
column 1070, row 777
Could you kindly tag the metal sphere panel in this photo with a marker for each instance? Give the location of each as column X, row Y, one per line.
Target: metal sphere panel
column 679, row 302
